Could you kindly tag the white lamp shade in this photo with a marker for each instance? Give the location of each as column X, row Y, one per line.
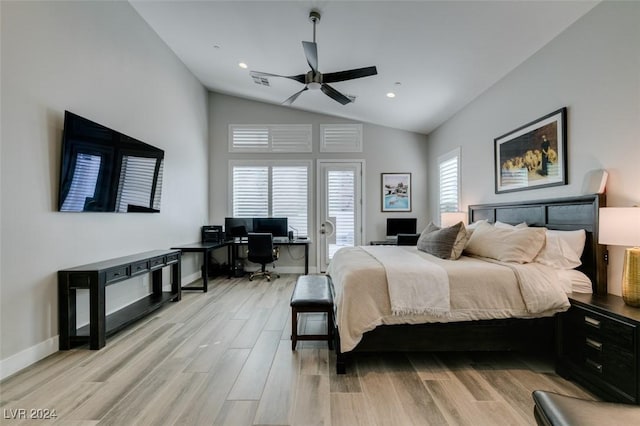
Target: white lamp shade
column 619, row 226
column 451, row 218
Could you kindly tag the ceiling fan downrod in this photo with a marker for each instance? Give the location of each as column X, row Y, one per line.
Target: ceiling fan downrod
column 314, row 16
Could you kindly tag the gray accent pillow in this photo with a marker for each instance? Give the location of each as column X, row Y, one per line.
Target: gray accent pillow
column 440, row 242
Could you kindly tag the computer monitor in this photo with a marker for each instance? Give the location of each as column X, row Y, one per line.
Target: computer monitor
column 277, row 226
column 238, row 226
column 405, row 225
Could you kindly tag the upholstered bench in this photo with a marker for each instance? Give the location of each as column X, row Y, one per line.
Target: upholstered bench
column 312, row 293
column 552, row 409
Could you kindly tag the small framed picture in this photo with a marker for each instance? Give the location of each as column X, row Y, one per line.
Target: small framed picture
column 396, row 192
column 534, row 155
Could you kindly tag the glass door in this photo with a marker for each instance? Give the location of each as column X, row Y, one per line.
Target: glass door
column 340, row 218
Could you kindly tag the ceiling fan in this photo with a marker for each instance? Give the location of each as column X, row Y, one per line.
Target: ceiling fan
column 314, row 79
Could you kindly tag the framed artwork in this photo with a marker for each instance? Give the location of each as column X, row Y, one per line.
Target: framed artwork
column 534, row 155
column 396, row 192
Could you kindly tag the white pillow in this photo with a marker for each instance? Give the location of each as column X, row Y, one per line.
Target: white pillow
column 503, row 225
column 470, row 227
column 557, row 253
column 575, row 239
column 506, row 245
column 474, row 225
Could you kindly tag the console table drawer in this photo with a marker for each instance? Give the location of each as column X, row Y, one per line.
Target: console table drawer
column 172, row 258
column 140, row 267
column 156, row 262
column 116, row 274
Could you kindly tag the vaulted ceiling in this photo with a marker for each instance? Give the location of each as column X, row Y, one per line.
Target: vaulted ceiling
column 436, row 56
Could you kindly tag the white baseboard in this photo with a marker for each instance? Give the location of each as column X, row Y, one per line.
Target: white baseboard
column 25, row 358
column 190, row 278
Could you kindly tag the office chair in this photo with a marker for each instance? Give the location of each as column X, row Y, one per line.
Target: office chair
column 262, row 251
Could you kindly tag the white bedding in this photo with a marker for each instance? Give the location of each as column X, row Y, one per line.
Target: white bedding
column 478, row 290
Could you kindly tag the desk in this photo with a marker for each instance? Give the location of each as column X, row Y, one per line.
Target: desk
column 237, row 242
column 205, row 248
column 96, row 277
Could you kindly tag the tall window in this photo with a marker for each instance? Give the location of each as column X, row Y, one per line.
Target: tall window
column 449, row 169
column 272, row 189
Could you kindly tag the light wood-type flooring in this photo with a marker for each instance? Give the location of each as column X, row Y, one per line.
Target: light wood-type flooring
column 224, row 358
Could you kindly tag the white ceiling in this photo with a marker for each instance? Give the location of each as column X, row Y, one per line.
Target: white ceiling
column 444, row 53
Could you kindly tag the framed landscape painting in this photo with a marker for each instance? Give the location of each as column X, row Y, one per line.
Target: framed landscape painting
column 396, row 192
column 534, row 155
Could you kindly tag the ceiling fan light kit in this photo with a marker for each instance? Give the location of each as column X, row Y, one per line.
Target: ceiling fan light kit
column 314, row 79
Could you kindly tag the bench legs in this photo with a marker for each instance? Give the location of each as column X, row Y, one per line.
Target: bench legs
column 295, row 310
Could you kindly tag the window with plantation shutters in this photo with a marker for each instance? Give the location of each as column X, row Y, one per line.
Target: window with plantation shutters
column 341, row 138
column 250, row 191
column 272, row 189
column 449, row 172
column 136, row 184
column 270, row 138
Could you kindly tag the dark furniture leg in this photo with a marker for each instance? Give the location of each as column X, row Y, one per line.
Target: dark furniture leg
column 341, row 359
column 294, row 328
column 176, row 285
column 97, row 326
column 66, row 317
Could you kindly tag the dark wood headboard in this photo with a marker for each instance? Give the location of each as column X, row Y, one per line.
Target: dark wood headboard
column 562, row 214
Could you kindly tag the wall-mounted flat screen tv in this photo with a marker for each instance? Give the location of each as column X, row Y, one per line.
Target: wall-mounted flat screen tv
column 103, row 170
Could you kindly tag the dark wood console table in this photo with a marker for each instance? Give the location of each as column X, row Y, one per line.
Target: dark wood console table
column 96, row 277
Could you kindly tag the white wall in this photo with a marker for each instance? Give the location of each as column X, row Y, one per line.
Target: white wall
column 99, row 60
column 385, row 150
column 593, row 68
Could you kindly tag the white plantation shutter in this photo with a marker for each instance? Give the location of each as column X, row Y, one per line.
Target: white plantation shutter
column 136, row 182
column 290, row 198
column 272, row 189
column 248, row 138
column 341, row 138
column 291, row 138
column 250, row 191
column 449, row 169
column 270, row 138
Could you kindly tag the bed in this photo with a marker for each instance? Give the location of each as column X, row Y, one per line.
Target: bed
column 534, row 333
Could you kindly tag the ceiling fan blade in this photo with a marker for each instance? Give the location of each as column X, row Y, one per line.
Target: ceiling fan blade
column 311, row 52
column 333, row 77
column 299, row 78
column 334, row 94
column 293, row 97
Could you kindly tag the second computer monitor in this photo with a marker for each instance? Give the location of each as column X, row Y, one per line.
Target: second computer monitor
column 278, row 226
column 405, row 225
column 238, row 226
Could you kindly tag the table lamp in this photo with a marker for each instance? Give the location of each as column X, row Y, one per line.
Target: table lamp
column 451, row 218
column 620, row 226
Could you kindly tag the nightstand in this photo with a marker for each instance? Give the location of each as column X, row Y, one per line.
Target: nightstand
column 598, row 346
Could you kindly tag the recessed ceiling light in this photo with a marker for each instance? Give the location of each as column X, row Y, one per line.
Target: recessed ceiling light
column 242, row 65
column 391, row 95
